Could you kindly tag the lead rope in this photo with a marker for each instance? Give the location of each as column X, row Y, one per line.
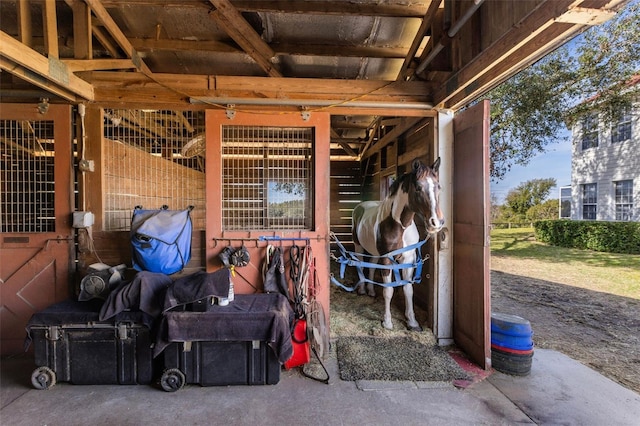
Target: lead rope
column 309, row 280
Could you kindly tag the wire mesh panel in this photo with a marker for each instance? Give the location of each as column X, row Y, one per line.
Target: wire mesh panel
column 153, row 158
column 27, row 159
column 267, row 178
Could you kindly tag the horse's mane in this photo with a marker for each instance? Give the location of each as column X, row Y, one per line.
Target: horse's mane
column 401, row 181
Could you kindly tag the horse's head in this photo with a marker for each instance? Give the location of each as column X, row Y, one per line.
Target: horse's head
column 423, row 189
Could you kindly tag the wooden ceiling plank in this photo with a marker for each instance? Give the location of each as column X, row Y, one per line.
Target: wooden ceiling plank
column 242, row 33
column 23, row 61
column 405, row 125
column 49, row 19
column 117, row 34
column 25, row 30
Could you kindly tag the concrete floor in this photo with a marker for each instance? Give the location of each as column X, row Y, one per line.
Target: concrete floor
column 559, row 390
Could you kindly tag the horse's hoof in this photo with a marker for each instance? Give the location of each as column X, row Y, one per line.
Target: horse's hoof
column 414, row 328
column 387, row 326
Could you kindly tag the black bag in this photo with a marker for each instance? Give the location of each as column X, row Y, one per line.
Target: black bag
column 275, row 280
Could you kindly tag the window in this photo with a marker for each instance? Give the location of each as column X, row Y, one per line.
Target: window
column 565, row 202
column 267, row 178
column 589, row 131
column 624, row 199
column 27, row 199
column 589, row 200
column 153, row 158
column 621, row 127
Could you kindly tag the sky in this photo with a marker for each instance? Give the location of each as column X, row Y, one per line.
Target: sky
column 554, row 163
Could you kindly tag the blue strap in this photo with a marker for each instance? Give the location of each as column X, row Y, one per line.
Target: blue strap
column 348, row 258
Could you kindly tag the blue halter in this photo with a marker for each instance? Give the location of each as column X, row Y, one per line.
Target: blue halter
column 348, row 258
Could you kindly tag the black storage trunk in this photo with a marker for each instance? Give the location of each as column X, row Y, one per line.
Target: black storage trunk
column 223, row 363
column 244, row 343
column 71, row 345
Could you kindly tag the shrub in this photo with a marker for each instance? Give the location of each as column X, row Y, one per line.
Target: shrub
column 612, row 237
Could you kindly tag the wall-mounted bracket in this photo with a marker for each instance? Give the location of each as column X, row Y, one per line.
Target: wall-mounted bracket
column 230, row 111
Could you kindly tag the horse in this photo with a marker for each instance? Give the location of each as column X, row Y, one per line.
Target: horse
column 380, row 227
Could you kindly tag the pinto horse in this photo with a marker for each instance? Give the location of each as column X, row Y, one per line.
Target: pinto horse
column 380, row 227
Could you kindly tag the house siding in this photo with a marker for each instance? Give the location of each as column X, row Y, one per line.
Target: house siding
column 604, row 165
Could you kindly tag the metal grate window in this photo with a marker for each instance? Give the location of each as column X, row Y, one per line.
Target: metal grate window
column 267, row 178
column 27, row 159
column 153, row 158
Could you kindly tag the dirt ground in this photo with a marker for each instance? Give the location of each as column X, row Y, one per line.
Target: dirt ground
column 600, row 330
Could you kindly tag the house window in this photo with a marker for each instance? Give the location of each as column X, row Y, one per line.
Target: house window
column 589, row 131
column 621, row 127
column 267, row 178
column 589, row 200
column 624, row 199
column 565, row 202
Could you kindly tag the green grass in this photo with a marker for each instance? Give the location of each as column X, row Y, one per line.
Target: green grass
column 516, row 251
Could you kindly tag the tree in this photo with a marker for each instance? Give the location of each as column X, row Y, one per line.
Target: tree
column 529, row 111
column 549, row 209
column 527, row 195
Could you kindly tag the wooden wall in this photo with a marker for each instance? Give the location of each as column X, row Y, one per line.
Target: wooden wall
column 346, row 192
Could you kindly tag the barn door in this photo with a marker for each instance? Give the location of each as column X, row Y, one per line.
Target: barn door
column 471, row 262
column 35, row 214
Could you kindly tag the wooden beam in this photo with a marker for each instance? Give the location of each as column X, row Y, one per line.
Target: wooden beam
column 117, row 86
column 518, row 41
column 49, row 20
column 25, row 30
column 50, row 74
column 232, row 22
column 75, row 65
column 148, row 44
column 105, row 41
column 117, row 34
column 82, row 37
column 408, row 9
column 417, row 41
column 405, row 125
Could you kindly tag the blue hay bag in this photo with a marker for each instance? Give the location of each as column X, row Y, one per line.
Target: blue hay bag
column 161, row 239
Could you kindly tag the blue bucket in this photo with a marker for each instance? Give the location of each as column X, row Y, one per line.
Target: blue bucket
column 511, row 332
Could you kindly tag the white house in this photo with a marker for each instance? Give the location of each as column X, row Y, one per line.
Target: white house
column 605, row 167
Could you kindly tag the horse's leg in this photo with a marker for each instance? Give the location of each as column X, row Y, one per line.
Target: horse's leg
column 387, row 292
column 370, row 289
column 412, row 324
column 360, row 286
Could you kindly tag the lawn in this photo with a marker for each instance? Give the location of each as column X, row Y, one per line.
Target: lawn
column 516, row 251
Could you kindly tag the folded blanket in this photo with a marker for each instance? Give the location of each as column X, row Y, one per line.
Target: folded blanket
column 144, row 293
column 263, row 317
column 197, row 286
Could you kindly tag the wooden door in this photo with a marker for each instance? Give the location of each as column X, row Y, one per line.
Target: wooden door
column 471, row 261
column 36, row 238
